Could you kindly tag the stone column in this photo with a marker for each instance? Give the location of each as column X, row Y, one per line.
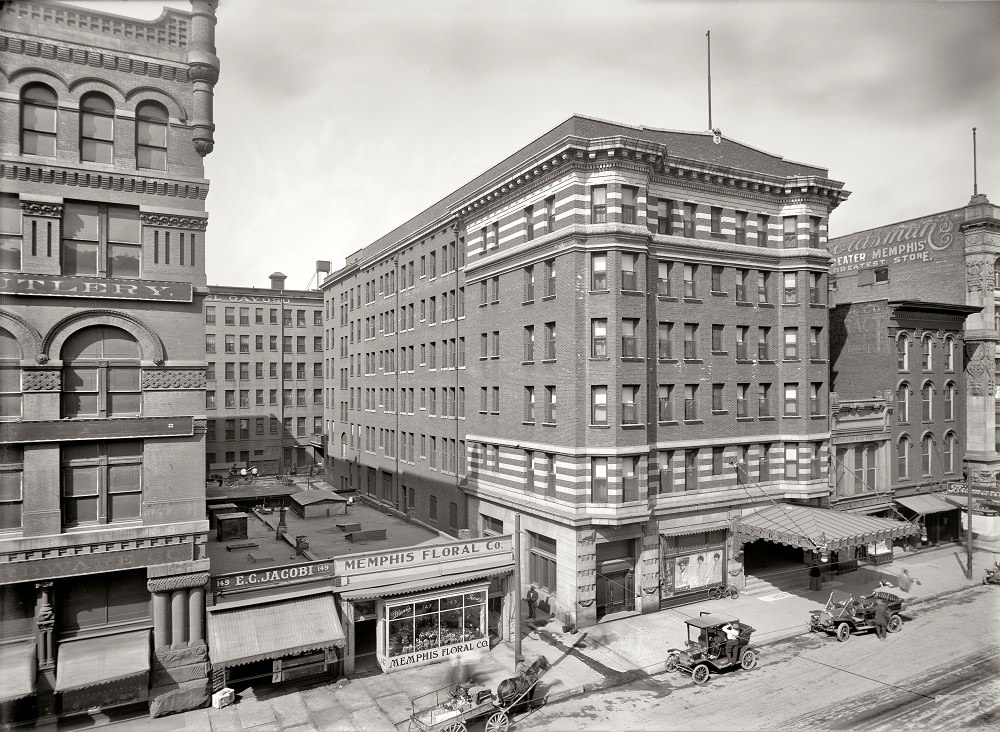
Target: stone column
column 196, row 615
column 44, row 624
column 161, row 620
column 178, row 618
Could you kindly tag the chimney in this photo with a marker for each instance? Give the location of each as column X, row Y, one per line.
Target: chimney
column 277, row 281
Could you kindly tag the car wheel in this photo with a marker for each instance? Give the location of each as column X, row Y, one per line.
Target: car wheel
column 672, row 660
column 843, row 632
column 700, row 673
column 895, row 624
column 748, row 660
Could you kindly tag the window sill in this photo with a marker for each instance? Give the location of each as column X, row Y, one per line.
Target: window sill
column 526, row 363
column 600, row 426
column 766, row 418
column 744, row 304
column 790, row 305
column 525, row 302
column 719, row 293
column 694, row 421
column 633, row 426
column 720, row 353
column 632, row 293
column 547, row 424
column 548, row 297
column 632, row 359
column 599, row 292
column 817, row 305
column 791, row 416
column 719, row 411
column 666, row 298
column 817, row 416
column 744, row 419
column 791, row 360
column 668, row 423
column 693, row 360
column 817, row 360
column 548, row 360
column 666, row 360
column 766, row 361
column 765, row 304
column 693, row 300
column 532, row 423
column 744, row 360
column 598, row 358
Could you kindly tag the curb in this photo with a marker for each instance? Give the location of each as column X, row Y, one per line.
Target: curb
column 626, row 677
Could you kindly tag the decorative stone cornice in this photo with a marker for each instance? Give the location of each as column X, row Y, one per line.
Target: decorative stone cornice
column 171, row 379
column 104, row 181
column 178, row 582
column 37, row 208
column 173, row 222
column 41, row 379
column 979, row 273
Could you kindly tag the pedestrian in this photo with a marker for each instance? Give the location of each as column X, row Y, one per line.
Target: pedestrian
column 732, row 642
column 906, row 581
column 881, row 619
column 815, row 578
column 532, row 599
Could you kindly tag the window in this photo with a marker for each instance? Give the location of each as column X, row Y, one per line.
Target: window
column 718, row 338
column 742, row 284
column 815, row 341
column 210, row 343
column 599, row 480
column 542, row 561
column 691, row 470
column 529, row 285
column 926, row 348
column 599, row 338
column 741, row 400
column 151, row 136
column 791, row 352
column 599, row 205
column 664, row 460
column 529, row 343
column 10, row 233
column 762, row 224
column 764, row 400
column 903, row 353
column 927, row 400
column 38, row 120
column 815, row 288
column 903, row 402
column 495, row 232
column 630, row 326
column 690, row 270
column 11, row 489
column 630, row 404
column 101, row 240
column 791, row 460
column 717, row 279
column 903, row 457
column 789, row 233
column 599, row 272
column 816, row 399
column 491, row 526
column 629, row 195
column 630, row 478
column 664, row 211
column 741, row 227
column 763, row 287
column 664, row 335
column 550, row 341
column 690, row 401
column 718, row 455
column 97, row 129
column 949, row 351
column 741, row 342
column 550, row 213
column 529, row 404
column 791, row 403
column 814, row 222
column 881, row 274
column 664, row 403
column 529, row 223
column 716, row 220
column 101, row 482
column 690, row 212
column 948, row 456
column 691, row 340
column 529, row 470
column 663, row 278
column 599, row 405
column 949, row 401
column 101, row 374
column 763, row 343
column 790, row 292
column 926, row 449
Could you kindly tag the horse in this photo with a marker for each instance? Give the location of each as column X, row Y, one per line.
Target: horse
column 511, row 690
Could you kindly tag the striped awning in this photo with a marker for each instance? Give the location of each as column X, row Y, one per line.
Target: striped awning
column 421, row 585
column 272, row 627
column 102, row 660
column 17, row 670
column 808, row 527
column 925, row 504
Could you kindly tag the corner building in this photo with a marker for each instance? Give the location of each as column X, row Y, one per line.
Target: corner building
column 102, row 363
column 618, row 333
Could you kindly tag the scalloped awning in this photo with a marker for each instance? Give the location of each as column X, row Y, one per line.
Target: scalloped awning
column 807, row 527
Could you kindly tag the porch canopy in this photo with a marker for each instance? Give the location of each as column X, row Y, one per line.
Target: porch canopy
column 925, row 504
column 810, row 527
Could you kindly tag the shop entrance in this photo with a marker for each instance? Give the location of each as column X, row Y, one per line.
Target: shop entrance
column 776, row 563
column 615, row 577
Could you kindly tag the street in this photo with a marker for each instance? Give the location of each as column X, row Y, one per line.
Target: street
column 941, row 670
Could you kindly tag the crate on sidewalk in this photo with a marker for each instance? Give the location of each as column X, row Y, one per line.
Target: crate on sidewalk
column 223, row 698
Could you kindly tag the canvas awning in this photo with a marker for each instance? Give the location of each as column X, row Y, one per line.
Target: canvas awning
column 17, row 671
column 808, row 527
column 925, row 504
column 272, row 627
column 420, row 585
column 102, row 660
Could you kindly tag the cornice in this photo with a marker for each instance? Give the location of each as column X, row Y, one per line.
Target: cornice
column 106, row 181
column 174, row 222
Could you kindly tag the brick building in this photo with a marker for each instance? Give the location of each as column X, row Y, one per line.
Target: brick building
column 919, row 297
column 618, row 334
column 106, row 120
column 264, row 397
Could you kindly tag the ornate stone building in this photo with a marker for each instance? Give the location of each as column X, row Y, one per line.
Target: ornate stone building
column 106, row 121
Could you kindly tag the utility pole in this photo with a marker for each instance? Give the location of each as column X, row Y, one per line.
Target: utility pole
column 517, row 590
column 708, row 35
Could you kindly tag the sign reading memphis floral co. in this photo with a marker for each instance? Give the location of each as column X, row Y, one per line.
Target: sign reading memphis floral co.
column 99, row 287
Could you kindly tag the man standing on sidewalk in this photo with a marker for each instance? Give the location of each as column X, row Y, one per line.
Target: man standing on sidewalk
column 532, row 599
column 881, row 619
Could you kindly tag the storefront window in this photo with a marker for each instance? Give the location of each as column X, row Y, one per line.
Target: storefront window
column 692, row 562
column 429, row 624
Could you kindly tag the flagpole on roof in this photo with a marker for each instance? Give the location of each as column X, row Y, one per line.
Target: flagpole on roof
column 708, row 35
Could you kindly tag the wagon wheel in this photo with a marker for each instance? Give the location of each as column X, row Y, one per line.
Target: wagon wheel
column 700, row 673
column 672, row 661
column 455, row 727
column 895, row 624
column 498, row 722
column 843, row 632
column 748, row 660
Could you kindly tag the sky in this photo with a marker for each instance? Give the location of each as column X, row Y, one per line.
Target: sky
column 338, row 120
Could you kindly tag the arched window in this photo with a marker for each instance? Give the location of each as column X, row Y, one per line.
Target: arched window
column 949, row 354
column 949, row 400
column 949, row 452
column 926, row 401
column 903, row 403
column 38, row 120
column 903, row 353
column 926, row 348
column 10, row 377
column 903, row 457
column 926, row 451
column 101, row 374
column 97, row 129
column 151, row 136
column 343, row 445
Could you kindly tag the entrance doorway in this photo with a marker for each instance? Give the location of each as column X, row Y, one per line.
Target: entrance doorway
column 365, row 641
column 615, row 577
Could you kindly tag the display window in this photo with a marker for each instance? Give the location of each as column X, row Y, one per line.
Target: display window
column 692, row 562
column 429, row 627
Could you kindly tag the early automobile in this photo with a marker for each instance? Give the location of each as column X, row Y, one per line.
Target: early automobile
column 705, row 651
column 846, row 614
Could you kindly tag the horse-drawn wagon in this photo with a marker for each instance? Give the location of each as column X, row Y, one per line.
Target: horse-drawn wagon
column 448, row 710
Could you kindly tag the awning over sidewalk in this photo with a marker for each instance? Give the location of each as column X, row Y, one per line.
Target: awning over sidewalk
column 102, row 660
column 925, row 504
column 17, row 671
column 272, row 627
column 419, row 585
column 809, row 527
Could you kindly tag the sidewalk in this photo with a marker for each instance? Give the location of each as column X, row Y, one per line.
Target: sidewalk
column 611, row 653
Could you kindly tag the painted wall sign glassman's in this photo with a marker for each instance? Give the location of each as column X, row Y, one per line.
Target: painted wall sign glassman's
column 914, row 241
